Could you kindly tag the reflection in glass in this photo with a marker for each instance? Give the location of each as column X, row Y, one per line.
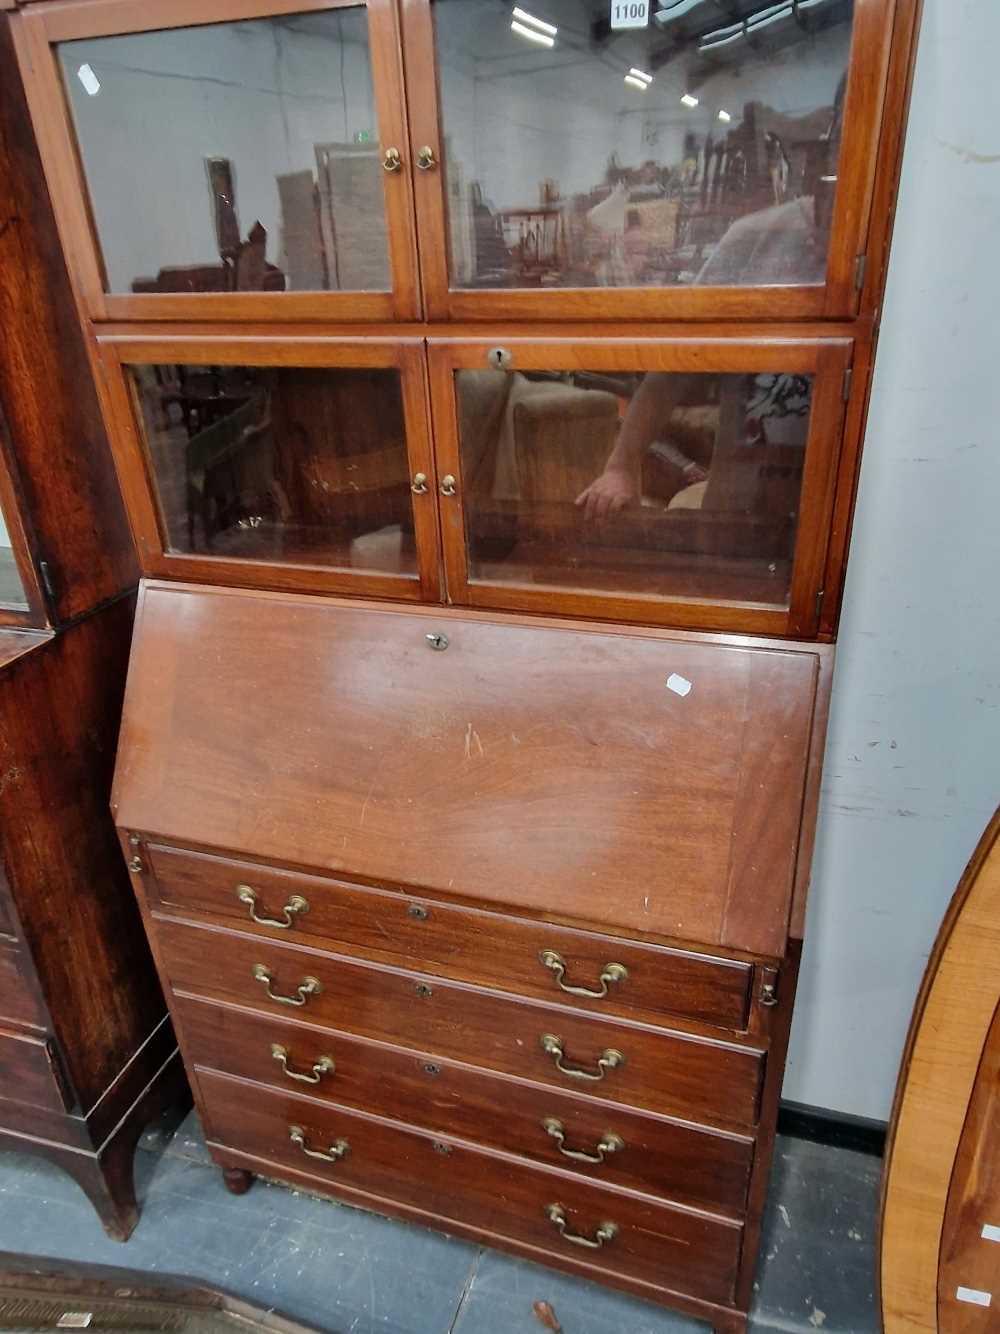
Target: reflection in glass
column 702, row 148
column 284, row 465
column 664, row 485
column 233, row 156
column 12, row 595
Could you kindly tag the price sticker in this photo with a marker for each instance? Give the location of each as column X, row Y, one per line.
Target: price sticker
column 630, row 13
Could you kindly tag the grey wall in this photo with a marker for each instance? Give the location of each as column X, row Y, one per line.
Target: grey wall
column 913, row 762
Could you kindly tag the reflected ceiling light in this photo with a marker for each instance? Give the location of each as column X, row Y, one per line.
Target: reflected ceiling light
column 689, row 99
column 636, row 83
column 640, row 74
column 542, row 38
column 538, row 24
column 89, row 80
column 725, row 117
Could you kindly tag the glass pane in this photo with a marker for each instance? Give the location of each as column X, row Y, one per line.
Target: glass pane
column 12, row 595
column 235, row 156
column 665, row 485
column 281, row 465
column 701, row 148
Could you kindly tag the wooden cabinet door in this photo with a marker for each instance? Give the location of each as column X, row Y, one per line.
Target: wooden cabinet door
column 218, row 160
column 679, row 481
column 716, row 163
column 300, row 463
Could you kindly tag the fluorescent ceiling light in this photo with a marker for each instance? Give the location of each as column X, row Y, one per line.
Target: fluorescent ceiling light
column 89, row 80
column 689, row 100
column 542, row 38
column 636, row 83
column 540, row 24
column 639, row 74
column 725, row 116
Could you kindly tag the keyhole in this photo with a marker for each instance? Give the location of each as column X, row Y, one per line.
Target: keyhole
column 500, row 359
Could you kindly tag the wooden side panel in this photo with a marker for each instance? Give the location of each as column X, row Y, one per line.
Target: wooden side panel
column 49, row 398
column 525, row 765
column 59, row 713
column 950, row 1025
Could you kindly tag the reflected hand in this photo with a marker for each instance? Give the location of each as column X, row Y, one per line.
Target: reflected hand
column 614, row 490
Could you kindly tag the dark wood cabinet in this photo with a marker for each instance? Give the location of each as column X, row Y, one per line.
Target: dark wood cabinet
column 487, row 398
column 87, row 1052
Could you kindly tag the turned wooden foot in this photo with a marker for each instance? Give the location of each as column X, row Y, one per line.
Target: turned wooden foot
column 236, row 1181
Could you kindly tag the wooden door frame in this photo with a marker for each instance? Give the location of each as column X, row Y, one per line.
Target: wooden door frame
column 35, row 615
column 37, row 30
column 840, row 296
column 116, row 354
column 827, row 360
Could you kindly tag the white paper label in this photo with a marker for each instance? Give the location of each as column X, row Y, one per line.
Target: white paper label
column 991, row 1233
column 680, row 685
column 629, row 13
column 974, row 1296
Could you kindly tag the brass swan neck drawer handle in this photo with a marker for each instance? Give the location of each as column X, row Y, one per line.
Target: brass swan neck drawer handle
column 337, row 1150
column 611, row 1143
column 295, row 905
column 613, row 972
column 608, row 1060
column 324, row 1066
column 605, row 1231
column 309, row 986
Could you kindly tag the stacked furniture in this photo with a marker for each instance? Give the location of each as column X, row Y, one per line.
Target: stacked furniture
column 87, row 1053
column 471, row 818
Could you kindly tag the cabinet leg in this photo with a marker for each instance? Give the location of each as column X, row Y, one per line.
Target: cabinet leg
column 736, row 1323
column 236, row 1180
column 109, row 1184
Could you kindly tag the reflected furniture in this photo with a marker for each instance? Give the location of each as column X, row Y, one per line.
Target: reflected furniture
column 87, row 1052
column 475, row 718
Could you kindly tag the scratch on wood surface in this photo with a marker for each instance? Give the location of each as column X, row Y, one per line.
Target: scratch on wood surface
column 364, row 808
column 472, row 739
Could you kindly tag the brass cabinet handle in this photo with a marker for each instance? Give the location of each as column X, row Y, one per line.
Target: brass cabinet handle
column 605, row 1231
column 419, row 484
column 448, row 485
column 426, row 160
column 295, row 905
column 392, row 160
column 608, row 1060
column 309, row 986
column 324, row 1066
column 613, row 972
column 337, row 1150
column 611, row 1143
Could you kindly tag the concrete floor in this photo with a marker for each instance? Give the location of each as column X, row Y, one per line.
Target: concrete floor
column 349, row 1272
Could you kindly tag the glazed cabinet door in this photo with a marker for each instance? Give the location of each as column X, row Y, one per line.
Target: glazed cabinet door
column 22, row 600
column 676, row 481
column 218, row 160
column 278, row 463
column 681, row 159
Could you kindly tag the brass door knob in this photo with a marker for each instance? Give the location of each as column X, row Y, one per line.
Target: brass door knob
column 419, row 484
column 448, row 485
column 392, row 160
column 426, row 160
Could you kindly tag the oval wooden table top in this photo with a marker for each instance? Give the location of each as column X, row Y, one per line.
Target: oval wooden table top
column 940, row 1235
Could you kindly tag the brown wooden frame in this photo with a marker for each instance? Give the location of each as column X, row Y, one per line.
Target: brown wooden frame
column 39, row 28
column 826, row 360
column 35, row 615
column 839, row 296
column 405, row 355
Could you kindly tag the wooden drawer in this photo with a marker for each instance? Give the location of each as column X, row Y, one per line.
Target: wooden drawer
column 18, row 1004
column 702, row 1168
column 672, row 1073
column 464, row 944
column 653, row 1242
column 28, row 1072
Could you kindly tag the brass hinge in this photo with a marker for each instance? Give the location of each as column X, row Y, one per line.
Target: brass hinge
column 47, row 578
column 848, row 383
column 768, row 995
column 860, row 270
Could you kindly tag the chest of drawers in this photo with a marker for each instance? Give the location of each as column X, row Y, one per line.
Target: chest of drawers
column 459, row 937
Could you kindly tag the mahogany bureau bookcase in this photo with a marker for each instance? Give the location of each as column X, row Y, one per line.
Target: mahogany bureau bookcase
column 87, row 1051
column 487, row 387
